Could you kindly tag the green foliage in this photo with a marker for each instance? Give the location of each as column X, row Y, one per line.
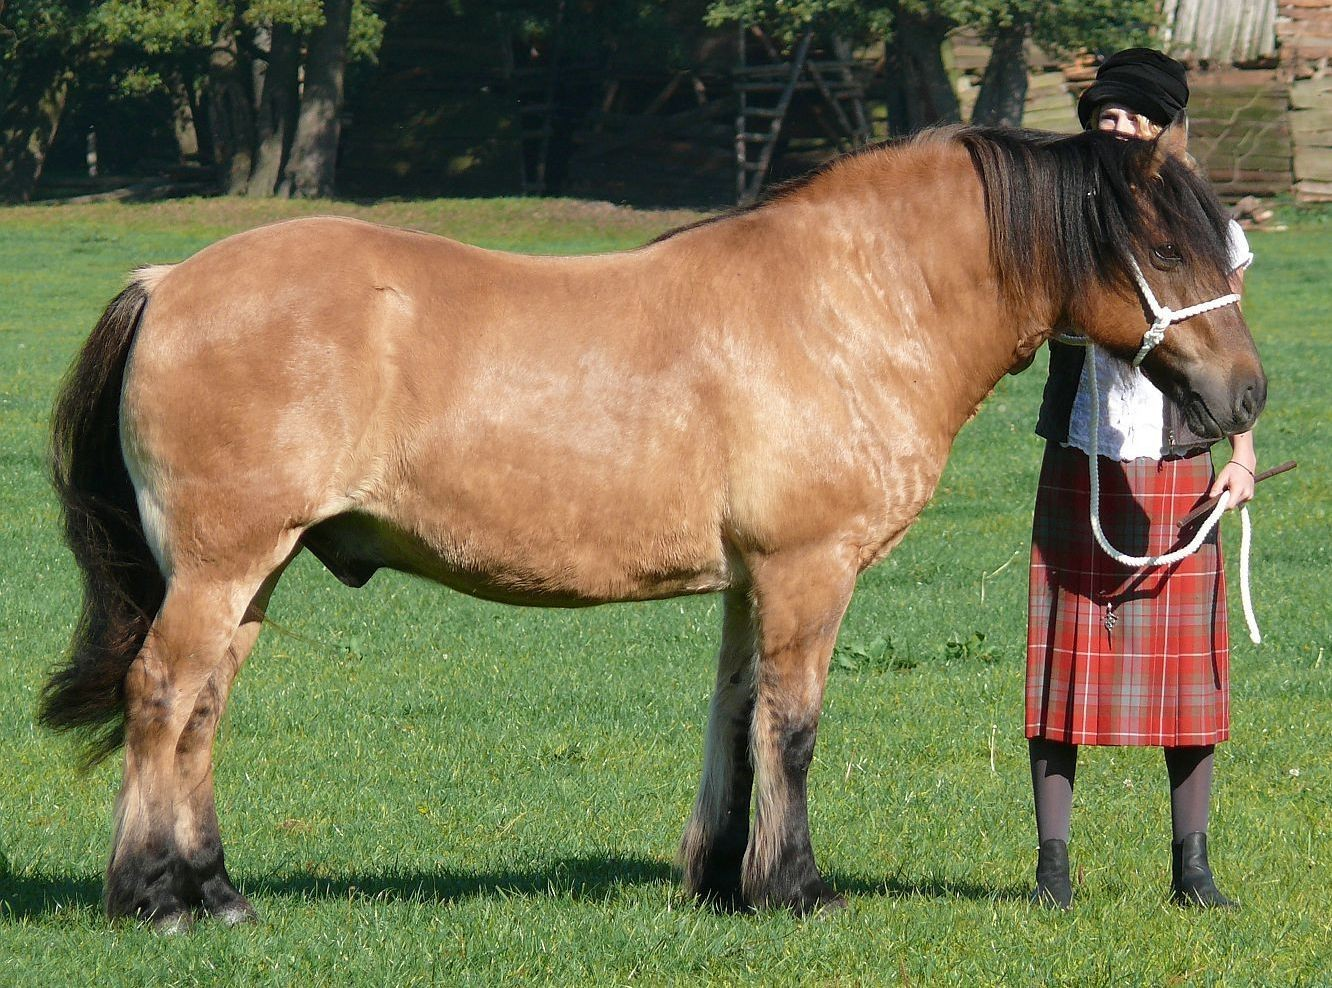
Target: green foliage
column 138, row 81
column 132, row 40
column 1060, row 25
column 881, row 655
column 42, row 45
column 970, row 648
column 877, row 656
column 160, row 26
column 1067, row 26
column 31, row 29
column 302, row 16
column 785, row 19
column 167, row 27
column 366, row 34
column 28, row 23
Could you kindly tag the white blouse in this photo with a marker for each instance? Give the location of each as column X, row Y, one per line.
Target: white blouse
column 1132, row 408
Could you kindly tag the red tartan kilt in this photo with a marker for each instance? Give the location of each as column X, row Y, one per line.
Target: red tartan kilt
column 1161, row 674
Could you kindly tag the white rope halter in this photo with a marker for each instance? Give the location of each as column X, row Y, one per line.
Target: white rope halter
column 1164, row 317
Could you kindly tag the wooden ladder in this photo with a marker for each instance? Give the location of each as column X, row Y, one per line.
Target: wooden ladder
column 759, row 122
column 749, row 130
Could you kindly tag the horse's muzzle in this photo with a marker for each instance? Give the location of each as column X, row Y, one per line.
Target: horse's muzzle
column 1215, row 413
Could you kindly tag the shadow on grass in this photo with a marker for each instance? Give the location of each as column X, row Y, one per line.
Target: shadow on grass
column 589, row 879
column 593, row 879
column 32, row 896
column 582, row 879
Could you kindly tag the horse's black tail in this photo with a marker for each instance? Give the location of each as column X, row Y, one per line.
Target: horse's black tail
column 122, row 586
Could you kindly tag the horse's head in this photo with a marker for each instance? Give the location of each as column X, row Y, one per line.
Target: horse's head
column 1162, row 251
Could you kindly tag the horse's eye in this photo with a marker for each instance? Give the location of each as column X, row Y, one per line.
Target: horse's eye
column 1168, row 253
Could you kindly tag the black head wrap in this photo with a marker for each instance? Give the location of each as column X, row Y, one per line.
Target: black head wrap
column 1140, row 79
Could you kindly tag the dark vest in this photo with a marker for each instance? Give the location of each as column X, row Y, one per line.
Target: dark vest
column 1061, row 387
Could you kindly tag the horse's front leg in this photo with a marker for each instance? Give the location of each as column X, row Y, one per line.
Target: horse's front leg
column 800, row 604
column 714, row 841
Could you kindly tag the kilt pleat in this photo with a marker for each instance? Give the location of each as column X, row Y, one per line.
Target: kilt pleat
column 1117, row 655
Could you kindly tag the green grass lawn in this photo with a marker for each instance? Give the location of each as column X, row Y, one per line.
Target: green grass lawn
column 420, row 788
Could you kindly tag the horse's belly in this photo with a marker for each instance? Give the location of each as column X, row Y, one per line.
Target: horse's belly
column 545, row 572
column 578, row 499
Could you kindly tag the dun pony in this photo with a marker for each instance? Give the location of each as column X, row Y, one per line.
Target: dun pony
column 759, row 406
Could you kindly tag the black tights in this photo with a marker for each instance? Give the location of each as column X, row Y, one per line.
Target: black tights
column 1054, row 765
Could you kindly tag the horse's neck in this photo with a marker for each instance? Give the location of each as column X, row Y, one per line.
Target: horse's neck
column 912, row 247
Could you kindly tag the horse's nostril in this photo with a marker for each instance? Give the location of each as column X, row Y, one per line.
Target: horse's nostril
column 1249, row 401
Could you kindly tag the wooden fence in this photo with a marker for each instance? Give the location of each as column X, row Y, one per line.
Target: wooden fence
column 1305, row 33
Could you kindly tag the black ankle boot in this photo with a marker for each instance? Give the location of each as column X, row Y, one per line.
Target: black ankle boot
column 1191, row 882
column 1053, row 886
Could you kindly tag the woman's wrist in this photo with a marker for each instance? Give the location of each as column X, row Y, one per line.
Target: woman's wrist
column 1245, row 467
column 1242, row 451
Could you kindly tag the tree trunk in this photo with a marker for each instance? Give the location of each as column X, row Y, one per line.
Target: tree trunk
column 184, row 123
column 275, row 122
column 35, row 101
column 194, row 92
column 230, row 113
column 1003, row 88
column 920, row 92
column 310, row 169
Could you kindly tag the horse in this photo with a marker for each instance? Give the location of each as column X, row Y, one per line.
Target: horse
column 757, row 405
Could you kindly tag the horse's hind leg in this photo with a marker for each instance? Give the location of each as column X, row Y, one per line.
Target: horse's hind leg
column 800, row 606
column 714, row 841
column 164, row 817
column 198, row 835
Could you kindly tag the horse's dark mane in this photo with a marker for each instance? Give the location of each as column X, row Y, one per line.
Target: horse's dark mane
column 1068, row 211
column 1064, row 211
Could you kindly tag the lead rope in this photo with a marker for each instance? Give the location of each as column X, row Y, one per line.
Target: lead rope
column 1164, row 317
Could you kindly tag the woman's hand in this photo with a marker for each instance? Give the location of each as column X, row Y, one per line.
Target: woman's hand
column 1237, row 475
column 1236, row 478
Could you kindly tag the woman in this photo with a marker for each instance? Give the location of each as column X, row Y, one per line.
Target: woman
column 1114, row 655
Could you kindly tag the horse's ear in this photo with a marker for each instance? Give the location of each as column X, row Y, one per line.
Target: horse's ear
column 1173, row 142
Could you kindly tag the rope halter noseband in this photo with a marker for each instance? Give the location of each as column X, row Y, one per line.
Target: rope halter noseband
column 1164, row 317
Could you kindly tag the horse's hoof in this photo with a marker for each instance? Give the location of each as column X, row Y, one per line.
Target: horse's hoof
column 729, row 900
column 811, row 898
column 819, row 903
column 830, row 904
column 173, row 923
column 237, row 914
column 223, row 903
